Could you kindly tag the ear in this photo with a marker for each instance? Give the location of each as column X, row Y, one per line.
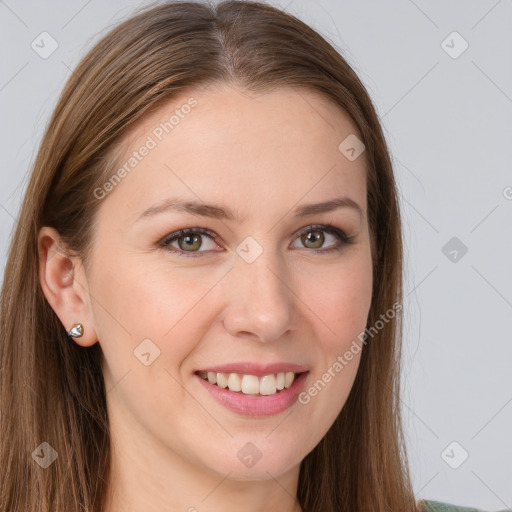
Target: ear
column 64, row 285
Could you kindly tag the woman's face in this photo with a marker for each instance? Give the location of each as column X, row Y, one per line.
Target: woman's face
column 261, row 285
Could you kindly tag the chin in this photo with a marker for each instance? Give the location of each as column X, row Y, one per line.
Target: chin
column 252, row 464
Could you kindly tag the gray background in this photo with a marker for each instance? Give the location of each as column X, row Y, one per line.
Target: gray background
column 449, row 124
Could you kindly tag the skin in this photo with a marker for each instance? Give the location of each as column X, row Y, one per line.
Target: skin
column 174, row 447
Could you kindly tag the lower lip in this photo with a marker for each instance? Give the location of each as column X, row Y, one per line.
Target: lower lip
column 257, row 405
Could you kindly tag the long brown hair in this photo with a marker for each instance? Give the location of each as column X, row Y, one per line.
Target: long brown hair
column 53, row 390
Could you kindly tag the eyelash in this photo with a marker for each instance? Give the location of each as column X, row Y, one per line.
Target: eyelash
column 328, row 228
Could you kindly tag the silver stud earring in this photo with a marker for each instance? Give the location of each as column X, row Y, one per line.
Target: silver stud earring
column 76, row 331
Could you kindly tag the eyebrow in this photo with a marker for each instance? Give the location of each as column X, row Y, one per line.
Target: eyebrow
column 221, row 212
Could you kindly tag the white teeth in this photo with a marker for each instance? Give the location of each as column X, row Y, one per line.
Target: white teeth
column 222, row 380
column 280, row 381
column 268, row 385
column 250, row 384
column 234, row 382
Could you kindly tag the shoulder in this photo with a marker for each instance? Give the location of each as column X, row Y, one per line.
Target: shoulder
column 438, row 506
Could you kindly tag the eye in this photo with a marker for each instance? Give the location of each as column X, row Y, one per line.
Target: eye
column 313, row 235
column 191, row 239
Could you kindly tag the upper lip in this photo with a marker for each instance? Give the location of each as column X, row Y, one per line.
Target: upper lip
column 249, row 368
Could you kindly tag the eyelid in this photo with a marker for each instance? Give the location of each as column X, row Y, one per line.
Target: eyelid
column 176, row 234
column 329, row 228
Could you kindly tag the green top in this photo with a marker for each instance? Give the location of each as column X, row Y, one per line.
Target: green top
column 437, row 506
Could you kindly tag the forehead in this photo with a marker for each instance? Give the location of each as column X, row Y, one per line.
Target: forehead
column 254, row 151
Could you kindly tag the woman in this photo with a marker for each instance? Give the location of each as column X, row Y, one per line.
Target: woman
column 170, row 340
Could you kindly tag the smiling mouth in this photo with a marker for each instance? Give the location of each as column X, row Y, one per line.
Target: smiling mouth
column 250, row 384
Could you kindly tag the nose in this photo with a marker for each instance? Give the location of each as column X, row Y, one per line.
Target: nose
column 261, row 301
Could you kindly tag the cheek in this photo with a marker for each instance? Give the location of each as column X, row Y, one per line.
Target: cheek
column 341, row 299
column 139, row 299
column 343, row 309
column 135, row 304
